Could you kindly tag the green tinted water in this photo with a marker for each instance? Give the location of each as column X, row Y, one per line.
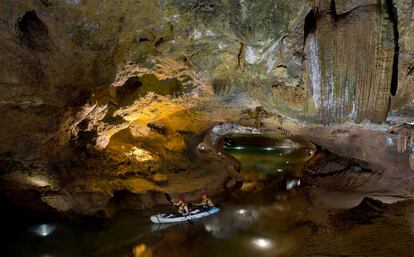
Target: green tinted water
column 265, row 158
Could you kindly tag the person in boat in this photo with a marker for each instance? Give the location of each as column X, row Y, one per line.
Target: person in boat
column 182, row 207
column 206, row 202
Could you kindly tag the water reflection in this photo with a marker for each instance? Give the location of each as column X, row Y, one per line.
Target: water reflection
column 242, row 211
column 244, row 227
column 142, row 250
column 255, row 223
column 262, row 243
column 292, row 183
column 264, row 156
column 228, row 223
column 44, row 229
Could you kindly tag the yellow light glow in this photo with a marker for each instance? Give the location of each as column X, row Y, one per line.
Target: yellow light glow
column 39, row 182
column 141, row 251
column 36, row 181
column 140, row 155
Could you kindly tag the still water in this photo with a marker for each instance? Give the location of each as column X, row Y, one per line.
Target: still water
column 270, row 162
column 252, row 222
column 240, row 229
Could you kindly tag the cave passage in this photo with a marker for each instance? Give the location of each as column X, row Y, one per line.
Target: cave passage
column 258, row 143
column 296, row 118
column 266, row 157
column 270, row 163
column 241, row 223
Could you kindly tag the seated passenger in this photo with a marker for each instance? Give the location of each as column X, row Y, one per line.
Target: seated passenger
column 182, row 207
column 206, row 203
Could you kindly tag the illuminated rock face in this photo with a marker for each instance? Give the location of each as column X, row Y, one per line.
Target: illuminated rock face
column 350, row 64
column 97, row 98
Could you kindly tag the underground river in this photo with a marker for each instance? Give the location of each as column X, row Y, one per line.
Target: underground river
column 272, row 214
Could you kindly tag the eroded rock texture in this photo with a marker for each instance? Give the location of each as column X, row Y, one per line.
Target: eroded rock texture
column 402, row 102
column 350, row 60
column 106, row 100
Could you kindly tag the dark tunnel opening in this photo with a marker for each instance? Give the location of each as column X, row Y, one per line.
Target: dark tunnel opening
column 310, row 24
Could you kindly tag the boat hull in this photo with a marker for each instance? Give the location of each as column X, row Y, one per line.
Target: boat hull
column 173, row 218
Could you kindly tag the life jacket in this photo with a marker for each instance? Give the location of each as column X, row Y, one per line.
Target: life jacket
column 183, row 208
column 207, row 202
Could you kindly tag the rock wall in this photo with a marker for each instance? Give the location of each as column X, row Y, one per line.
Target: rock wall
column 402, row 101
column 98, row 97
column 350, row 60
column 341, row 61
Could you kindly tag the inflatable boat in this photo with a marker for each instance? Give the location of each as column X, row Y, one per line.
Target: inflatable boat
column 176, row 218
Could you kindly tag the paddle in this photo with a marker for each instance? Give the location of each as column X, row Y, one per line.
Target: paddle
column 169, row 200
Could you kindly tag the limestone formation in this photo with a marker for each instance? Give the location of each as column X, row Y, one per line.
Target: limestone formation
column 402, row 102
column 99, row 98
column 350, row 50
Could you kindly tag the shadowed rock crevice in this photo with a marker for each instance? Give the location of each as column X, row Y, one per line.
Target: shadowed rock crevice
column 333, row 11
column 129, row 91
column 138, row 86
column 126, row 200
column 241, row 56
column 34, row 33
column 310, row 24
column 327, row 164
column 221, row 86
column 394, row 19
column 206, row 7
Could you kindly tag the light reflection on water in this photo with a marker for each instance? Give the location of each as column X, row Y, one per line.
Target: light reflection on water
column 250, row 224
column 262, row 243
column 267, row 161
column 262, row 160
column 44, row 229
column 240, row 229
